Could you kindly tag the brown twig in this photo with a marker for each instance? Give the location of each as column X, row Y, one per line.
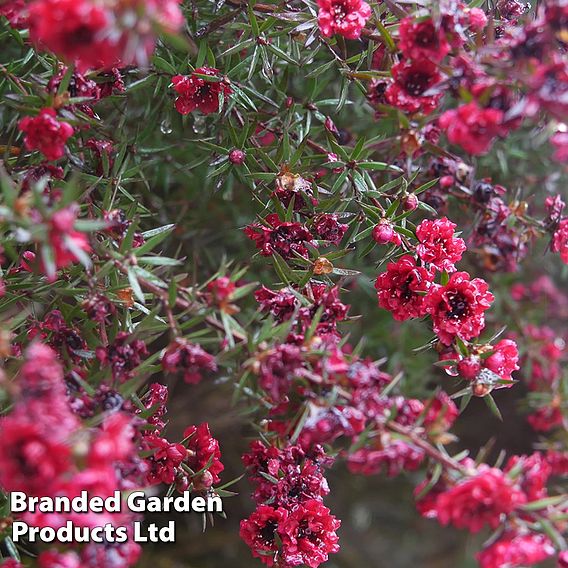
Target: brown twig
column 180, row 303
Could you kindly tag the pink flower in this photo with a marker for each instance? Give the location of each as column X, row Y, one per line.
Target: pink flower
column 437, row 244
column 478, row 501
column 560, row 240
column 395, row 457
column 195, row 92
column 560, row 143
column 384, row 233
column 308, row 534
column 477, row 19
column 189, row 360
column 472, row 127
column 32, row 456
column 457, row 309
column 422, row 40
column 114, row 441
column 46, row 134
column 55, row 559
column 344, row 17
column 504, row 360
column 516, row 550
column 16, row 13
column 402, row 288
column 68, row 244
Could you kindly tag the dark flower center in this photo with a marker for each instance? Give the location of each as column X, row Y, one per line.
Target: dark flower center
column 459, row 306
column 416, row 83
column 267, row 532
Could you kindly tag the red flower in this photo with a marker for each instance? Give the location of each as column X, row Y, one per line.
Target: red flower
column 560, row 240
column 46, row 134
column 328, row 228
column 123, row 355
column 504, row 360
column 281, row 304
column 278, row 368
column 68, row 244
column 308, row 534
column 188, row 359
column 422, row 40
column 550, row 90
column 285, row 238
column 437, row 244
column 11, row 563
column 259, row 532
column 55, row 559
column 203, row 451
column 334, row 309
column 413, row 87
column 472, row 127
column 32, row 456
column 16, row 13
column 74, row 30
column 546, row 418
column 98, row 34
column 516, row 550
column 156, row 398
column 401, row 289
column 478, row 501
column 219, row 291
column 533, row 472
column 344, row 17
column 195, row 92
column 457, row 309
column 165, row 461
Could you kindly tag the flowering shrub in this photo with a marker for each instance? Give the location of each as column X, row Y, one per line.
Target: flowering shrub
column 196, row 199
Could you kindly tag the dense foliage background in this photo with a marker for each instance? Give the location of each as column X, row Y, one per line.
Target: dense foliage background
column 297, row 125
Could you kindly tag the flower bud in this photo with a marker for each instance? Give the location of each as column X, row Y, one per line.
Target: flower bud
column 469, row 367
column 237, row 157
column 410, row 202
column 383, row 233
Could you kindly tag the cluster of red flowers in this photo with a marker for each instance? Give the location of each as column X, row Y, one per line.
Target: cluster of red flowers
column 40, row 444
column 473, row 497
column 408, row 290
column 292, row 239
column 290, row 526
column 490, row 107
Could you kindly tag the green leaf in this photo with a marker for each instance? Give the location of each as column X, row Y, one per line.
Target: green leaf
column 492, row 405
column 134, row 284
